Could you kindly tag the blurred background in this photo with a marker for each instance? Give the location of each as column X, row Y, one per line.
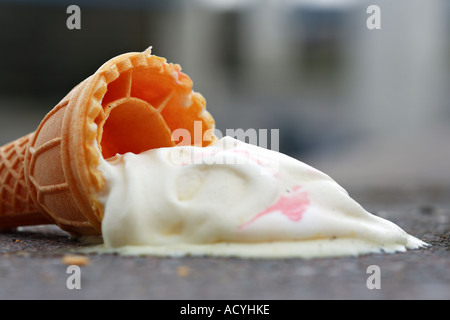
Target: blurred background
column 369, row 107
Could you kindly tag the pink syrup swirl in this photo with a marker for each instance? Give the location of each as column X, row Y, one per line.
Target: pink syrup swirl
column 292, row 205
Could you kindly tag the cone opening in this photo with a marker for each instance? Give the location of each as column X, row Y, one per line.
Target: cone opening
column 145, row 104
column 129, row 125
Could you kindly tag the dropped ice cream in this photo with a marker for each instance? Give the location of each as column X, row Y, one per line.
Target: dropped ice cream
column 235, row 199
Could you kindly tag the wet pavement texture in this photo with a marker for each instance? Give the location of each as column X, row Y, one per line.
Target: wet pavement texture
column 32, row 264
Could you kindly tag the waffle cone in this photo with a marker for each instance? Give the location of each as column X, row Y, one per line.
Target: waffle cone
column 132, row 103
column 16, row 205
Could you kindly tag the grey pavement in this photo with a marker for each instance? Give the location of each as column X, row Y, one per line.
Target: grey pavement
column 32, row 265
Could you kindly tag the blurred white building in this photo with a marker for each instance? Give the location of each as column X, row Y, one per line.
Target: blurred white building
column 373, row 100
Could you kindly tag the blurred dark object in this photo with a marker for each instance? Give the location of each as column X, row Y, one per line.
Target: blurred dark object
column 42, row 57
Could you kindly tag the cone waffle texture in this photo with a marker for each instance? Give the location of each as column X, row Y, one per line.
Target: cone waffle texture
column 131, row 104
column 14, row 193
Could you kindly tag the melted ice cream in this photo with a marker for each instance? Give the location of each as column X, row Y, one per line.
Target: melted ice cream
column 235, row 199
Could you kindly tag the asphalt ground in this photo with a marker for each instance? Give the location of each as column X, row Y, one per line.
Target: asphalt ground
column 35, row 261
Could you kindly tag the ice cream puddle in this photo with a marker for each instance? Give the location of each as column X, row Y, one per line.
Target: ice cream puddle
column 235, row 199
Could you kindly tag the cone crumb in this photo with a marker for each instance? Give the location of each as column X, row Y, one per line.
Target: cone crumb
column 148, row 51
column 73, row 259
column 183, row 271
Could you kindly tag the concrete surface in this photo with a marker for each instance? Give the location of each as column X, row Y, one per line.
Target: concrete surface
column 32, row 265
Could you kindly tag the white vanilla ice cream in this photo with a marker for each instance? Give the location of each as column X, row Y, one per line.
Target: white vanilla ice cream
column 235, row 199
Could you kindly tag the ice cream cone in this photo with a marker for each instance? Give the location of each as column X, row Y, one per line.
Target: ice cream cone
column 132, row 103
